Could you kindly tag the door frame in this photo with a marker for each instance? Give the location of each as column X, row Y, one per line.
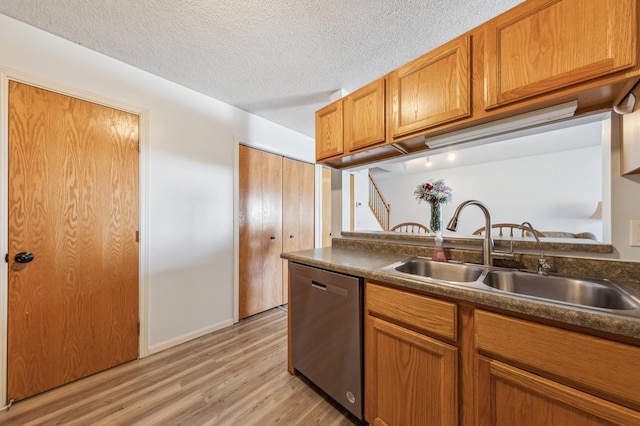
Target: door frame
column 143, row 203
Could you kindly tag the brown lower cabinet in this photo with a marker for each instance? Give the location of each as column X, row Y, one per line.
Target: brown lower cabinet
column 410, row 377
column 543, row 375
column 429, row 362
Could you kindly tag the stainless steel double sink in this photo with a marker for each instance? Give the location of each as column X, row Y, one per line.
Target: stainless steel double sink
column 590, row 293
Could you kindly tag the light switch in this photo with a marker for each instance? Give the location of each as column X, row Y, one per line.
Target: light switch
column 635, row 232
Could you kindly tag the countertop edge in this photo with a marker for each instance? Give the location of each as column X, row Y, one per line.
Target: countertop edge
column 369, row 265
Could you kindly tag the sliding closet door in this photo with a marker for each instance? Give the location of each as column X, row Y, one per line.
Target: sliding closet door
column 260, row 274
column 298, row 211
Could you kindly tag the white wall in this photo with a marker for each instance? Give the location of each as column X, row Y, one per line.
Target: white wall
column 339, row 214
column 555, row 192
column 624, row 195
column 364, row 217
column 191, row 174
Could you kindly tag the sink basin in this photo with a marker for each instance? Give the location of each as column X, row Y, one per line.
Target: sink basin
column 597, row 294
column 453, row 272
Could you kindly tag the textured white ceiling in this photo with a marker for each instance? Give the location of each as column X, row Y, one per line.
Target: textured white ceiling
column 279, row 59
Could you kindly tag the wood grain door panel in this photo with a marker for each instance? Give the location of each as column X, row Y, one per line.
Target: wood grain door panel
column 73, row 202
column 276, row 215
column 431, row 90
column 272, row 230
column 260, row 229
column 507, row 395
column 549, row 44
column 298, row 212
column 410, row 379
column 329, row 131
column 364, row 117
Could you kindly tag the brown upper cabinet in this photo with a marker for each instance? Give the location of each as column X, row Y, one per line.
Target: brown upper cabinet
column 539, row 54
column 431, row 90
column 364, row 117
column 329, row 136
column 550, row 44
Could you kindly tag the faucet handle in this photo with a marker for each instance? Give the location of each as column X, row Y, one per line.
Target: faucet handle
column 506, row 252
column 508, row 255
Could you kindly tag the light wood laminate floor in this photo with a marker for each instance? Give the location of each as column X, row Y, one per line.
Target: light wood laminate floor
column 235, row 376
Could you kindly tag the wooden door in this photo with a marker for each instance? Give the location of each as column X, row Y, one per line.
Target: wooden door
column 260, row 274
column 364, row 117
column 509, row 396
column 298, row 212
column 544, row 45
column 73, row 203
column 431, row 90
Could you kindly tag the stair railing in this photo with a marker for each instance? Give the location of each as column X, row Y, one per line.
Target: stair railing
column 379, row 206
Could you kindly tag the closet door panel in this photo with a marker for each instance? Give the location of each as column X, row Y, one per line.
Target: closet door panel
column 260, row 239
column 298, row 211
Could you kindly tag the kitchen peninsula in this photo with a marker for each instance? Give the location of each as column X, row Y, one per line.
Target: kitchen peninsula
column 443, row 353
column 467, row 350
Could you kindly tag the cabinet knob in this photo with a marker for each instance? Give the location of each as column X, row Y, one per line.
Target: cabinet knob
column 273, row 237
column 291, row 236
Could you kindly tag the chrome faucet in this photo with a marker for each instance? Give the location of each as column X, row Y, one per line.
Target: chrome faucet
column 543, row 266
column 488, row 252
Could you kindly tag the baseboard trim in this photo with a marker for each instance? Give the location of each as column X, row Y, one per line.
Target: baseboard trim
column 189, row 336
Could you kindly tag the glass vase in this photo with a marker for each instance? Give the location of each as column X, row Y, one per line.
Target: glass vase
column 436, row 218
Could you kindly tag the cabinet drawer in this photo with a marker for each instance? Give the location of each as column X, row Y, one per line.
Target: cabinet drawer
column 433, row 316
column 595, row 365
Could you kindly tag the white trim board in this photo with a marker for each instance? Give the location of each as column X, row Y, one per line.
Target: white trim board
column 189, row 336
column 7, row 74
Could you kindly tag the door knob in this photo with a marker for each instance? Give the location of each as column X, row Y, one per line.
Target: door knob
column 24, row 257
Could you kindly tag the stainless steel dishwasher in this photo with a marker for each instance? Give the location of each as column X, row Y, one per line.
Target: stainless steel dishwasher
column 326, row 332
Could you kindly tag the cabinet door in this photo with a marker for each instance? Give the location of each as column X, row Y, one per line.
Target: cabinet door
column 329, row 136
column 544, row 45
column 599, row 366
column 510, row 396
column 432, row 89
column 364, row 117
column 298, row 211
column 410, row 379
column 260, row 239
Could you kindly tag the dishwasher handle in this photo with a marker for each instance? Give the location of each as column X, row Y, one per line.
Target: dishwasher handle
column 333, row 289
column 318, row 285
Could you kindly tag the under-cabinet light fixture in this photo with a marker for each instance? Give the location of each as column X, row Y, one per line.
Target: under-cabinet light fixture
column 505, row 125
column 428, row 163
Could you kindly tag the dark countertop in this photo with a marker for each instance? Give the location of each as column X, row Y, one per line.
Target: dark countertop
column 368, row 264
